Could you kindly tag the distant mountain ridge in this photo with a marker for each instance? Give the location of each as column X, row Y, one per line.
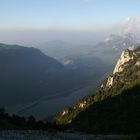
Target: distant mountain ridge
column 114, row 44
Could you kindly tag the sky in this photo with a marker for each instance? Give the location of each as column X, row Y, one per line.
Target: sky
column 62, row 17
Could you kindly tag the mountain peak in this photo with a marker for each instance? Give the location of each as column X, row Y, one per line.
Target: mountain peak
column 125, row 57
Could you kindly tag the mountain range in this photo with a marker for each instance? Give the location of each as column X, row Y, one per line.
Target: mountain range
column 112, row 109
column 29, row 76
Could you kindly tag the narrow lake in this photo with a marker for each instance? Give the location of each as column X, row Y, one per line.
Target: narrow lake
column 45, row 108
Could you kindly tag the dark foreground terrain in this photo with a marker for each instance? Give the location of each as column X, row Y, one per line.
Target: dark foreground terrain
column 42, row 135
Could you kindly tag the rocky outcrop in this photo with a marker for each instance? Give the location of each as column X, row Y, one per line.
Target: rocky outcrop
column 109, row 81
column 137, row 63
column 126, row 56
column 82, row 104
column 123, row 63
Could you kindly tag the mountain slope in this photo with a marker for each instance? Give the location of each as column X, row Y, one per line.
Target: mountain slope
column 25, row 74
column 114, row 107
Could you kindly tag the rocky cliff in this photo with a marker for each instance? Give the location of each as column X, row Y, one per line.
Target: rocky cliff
column 125, row 57
column 122, row 63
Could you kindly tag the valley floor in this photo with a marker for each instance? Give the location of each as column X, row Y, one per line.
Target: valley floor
column 42, row 135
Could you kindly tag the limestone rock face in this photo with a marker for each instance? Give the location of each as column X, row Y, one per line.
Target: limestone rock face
column 137, row 63
column 82, row 105
column 126, row 56
column 109, row 81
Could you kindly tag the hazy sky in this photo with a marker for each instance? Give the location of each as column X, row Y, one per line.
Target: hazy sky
column 21, row 18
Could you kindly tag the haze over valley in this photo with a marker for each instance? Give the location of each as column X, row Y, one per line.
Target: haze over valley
column 70, row 69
